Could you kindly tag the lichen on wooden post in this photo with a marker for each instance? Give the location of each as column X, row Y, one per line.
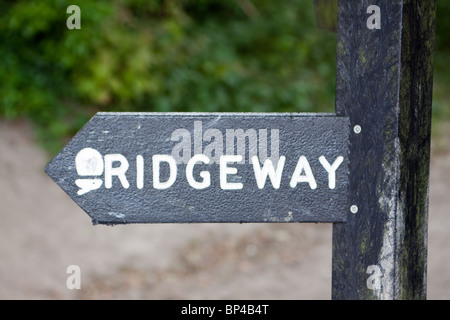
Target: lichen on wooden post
column 384, row 84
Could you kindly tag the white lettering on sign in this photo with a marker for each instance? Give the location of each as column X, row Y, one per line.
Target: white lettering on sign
column 89, row 162
column 206, row 182
column 331, row 169
column 119, row 171
column 139, row 171
column 268, row 170
column 303, row 173
column 225, row 170
column 157, row 159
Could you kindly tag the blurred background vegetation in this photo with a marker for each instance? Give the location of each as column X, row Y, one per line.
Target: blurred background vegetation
column 172, row 55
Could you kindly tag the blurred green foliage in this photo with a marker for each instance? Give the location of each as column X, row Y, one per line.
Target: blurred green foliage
column 166, row 55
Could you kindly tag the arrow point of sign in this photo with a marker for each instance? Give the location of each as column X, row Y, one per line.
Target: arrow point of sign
column 62, row 169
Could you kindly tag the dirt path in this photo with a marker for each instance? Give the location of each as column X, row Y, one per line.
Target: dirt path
column 42, row 232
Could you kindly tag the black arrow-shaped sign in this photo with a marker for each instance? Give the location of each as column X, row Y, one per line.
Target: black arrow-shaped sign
column 215, row 167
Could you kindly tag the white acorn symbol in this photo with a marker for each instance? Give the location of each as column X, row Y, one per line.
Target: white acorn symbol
column 88, row 162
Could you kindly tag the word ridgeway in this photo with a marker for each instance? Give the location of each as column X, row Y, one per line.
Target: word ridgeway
column 89, row 162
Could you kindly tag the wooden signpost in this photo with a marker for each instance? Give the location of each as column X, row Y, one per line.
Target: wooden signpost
column 384, row 85
column 365, row 168
column 185, row 168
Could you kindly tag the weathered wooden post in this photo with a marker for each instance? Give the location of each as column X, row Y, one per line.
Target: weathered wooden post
column 384, row 85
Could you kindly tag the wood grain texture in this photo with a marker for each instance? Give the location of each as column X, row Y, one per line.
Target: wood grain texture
column 384, row 84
